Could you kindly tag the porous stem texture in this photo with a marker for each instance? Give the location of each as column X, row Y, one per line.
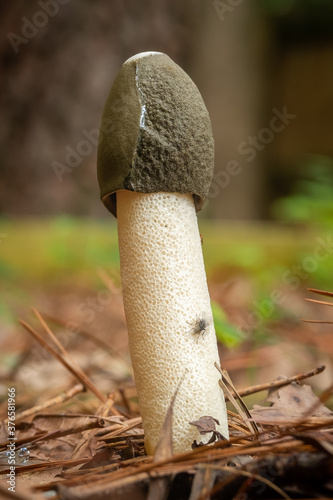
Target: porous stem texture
column 168, row 314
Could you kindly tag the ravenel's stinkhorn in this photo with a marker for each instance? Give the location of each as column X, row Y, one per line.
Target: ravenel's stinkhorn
column 155, row 165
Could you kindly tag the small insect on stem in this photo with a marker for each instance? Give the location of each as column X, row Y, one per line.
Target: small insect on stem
column 200, row 325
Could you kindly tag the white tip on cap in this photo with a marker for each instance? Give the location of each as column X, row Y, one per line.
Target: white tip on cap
column 141, row 55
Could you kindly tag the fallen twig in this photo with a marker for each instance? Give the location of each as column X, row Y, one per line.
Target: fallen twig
column 65, row 396
column 68, row 363
column 281, row 382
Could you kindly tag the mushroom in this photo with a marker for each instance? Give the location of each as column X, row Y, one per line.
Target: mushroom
column 155, row 165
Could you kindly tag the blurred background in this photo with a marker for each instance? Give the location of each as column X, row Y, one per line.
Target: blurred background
column 265, row 71
column 252, row 61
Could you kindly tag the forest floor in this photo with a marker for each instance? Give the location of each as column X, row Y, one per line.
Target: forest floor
column 77, row 420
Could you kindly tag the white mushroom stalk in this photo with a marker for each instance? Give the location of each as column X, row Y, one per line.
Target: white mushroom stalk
column 154, row 173
column 166, row 297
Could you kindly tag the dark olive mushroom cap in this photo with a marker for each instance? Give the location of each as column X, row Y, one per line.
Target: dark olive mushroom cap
column 155, row 133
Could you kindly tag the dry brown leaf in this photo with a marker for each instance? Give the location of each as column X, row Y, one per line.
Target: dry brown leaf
column 53, row 422
column 100, row 458
column 290, row 402
column 205, row 424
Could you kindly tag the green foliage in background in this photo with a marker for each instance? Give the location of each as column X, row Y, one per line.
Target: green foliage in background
column 311, row 200
column 58, row 250
column 226, row 333
column 43, row 257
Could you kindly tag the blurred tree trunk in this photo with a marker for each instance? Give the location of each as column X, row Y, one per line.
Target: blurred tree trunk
column 229, row 69
column 54, row 80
